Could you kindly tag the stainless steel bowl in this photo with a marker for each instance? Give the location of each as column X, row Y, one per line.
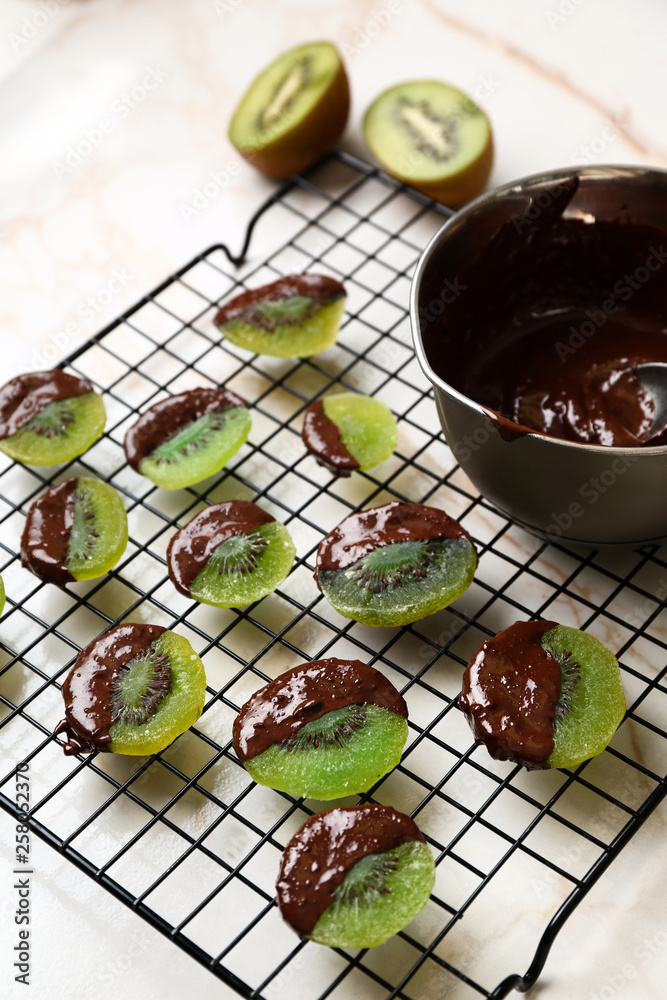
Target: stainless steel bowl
column 558, row 489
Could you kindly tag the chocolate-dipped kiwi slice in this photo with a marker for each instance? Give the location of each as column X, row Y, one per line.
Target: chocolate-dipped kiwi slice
column 323, row 730
column 230, row 554
column 353, row 877
column 49, row 417
column 543, row 695
column 133, row 690
column 75, row 531
column 349, row 431
column 293, row 317
column 183, row 439
column 395, row 564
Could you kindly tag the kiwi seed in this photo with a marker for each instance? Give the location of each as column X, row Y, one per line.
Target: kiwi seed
column 53, row 420
column 570, row 672
column 191, row 439
column 390, row 566
column 238, row 554
column 337, row 726
column 140, row 687
column 366, row 880
column 83, row 534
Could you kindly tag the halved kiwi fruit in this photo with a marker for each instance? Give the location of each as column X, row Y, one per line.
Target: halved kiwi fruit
column 294, row 111
column 294, row 317
column 230, row 554
column 349, row 431
column 186, row 438
column 432, row 137
column 49, row 417
column 322, row 730
column 75, row 531
column 133, row 691
column 543, row 695
column 395, row 564
column 353, row 877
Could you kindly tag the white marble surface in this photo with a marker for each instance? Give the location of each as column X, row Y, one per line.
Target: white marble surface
column 563, row 81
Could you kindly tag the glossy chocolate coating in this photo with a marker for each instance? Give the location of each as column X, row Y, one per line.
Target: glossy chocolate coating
column 397, row 521
column 323, row 851
column 192, row 547
column 162, row 421
column 45, row 538
column 29, row 394
column 510, row 690
column 569, row 308
column 321, row 437
column 318, row 287
column 306, row 693
column 88, row 688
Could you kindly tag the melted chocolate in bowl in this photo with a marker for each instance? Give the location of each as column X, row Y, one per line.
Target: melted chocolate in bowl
column 551, row 310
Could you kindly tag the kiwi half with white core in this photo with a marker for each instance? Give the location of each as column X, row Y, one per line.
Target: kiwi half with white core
column 294, row 111
column 432, row 137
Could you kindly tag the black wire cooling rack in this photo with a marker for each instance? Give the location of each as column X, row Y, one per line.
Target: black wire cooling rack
column 185, row 839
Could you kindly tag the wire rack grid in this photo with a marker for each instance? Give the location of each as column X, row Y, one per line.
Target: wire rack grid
column 185, row 839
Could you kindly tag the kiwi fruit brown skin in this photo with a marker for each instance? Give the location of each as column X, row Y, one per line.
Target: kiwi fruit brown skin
column 452, row 189
column 311, row 136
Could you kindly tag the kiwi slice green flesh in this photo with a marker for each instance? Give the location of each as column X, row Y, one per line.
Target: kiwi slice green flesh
column 378, row 897
column 432, row 136
column 294, row 111
column 198, row 450
column 401, row 583
column 300, row 332
column 245, row 567
column 592, row 703
column 98, row 536
column 367, row 426
column 342, row 753
column 2, row 596
column 60, row 432
column 157, row 696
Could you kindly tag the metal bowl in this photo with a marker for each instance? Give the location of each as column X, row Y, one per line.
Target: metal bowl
column 560, row 490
